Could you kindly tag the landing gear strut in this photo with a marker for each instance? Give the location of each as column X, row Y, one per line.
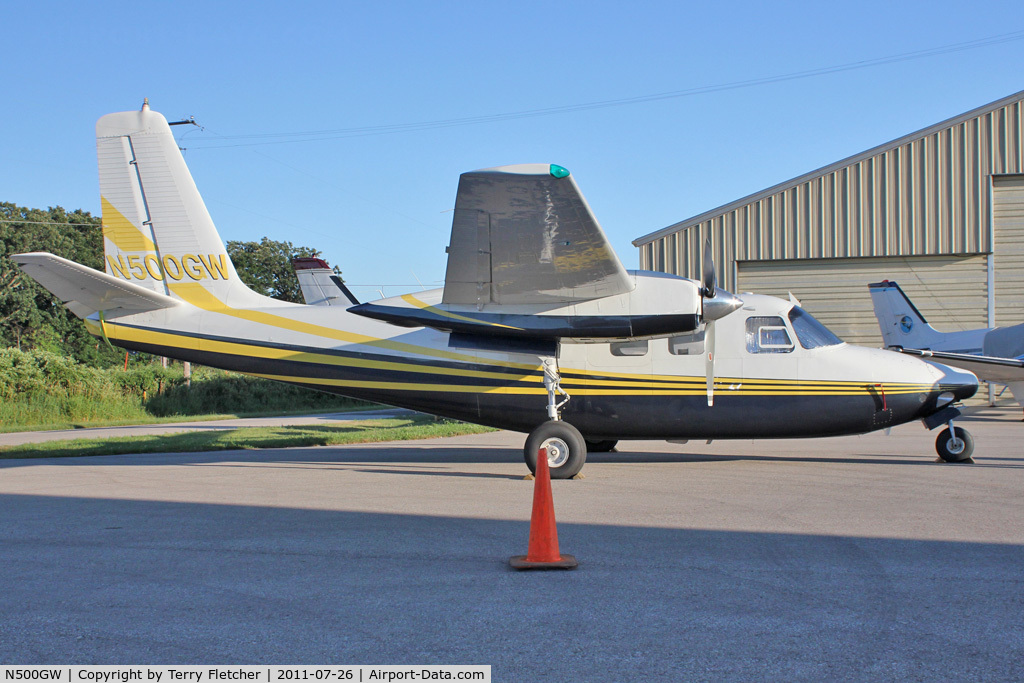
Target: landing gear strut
column 553, row 385
column 563, row 443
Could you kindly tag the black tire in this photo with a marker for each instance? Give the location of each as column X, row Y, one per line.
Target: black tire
column 955, row 450
column 568, row 450
column 604, row 446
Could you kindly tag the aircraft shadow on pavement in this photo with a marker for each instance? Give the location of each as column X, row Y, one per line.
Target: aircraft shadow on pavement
column 916, row 459
column 421, row 455
column 107, row 581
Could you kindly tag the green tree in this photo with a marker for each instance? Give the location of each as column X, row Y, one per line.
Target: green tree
column 30, row 317
column 266, row 266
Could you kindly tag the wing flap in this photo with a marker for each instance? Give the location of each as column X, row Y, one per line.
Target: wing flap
column 86, row 291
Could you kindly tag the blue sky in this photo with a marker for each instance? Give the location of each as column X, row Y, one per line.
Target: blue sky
column 379, row 205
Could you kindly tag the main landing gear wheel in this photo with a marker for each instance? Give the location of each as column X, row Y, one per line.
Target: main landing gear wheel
column 956, row 447
column 605, row 446
column 566, row 449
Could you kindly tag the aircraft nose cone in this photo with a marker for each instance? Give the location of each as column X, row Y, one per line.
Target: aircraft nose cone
column 961, row 383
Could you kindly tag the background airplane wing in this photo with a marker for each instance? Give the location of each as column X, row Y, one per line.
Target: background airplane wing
column 987, row 368
column 86, row 291
column 525, row 235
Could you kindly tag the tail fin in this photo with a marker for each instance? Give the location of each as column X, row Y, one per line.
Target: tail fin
column 320, row 285
column 157, row 232
column 898, row 318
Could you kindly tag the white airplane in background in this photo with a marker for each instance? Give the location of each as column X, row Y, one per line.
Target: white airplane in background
column 994, row 354
column 536, row 308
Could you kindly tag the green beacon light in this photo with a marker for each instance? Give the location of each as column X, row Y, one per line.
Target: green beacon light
column 559, row 171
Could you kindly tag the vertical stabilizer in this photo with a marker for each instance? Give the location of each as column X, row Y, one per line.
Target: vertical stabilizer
column 899, row 320
column 157, row 232
column 320, row 285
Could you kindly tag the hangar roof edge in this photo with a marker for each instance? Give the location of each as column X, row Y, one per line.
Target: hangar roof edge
column 849, row 161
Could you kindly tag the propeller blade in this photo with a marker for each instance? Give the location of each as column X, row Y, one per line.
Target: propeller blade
column 708, row 271
column 709, row 360
column 715, row 303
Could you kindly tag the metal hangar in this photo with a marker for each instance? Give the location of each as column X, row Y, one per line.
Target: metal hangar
column 941, row 211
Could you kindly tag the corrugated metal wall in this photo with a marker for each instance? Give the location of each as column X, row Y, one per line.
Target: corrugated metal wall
column 925, row 194
column 944, row 288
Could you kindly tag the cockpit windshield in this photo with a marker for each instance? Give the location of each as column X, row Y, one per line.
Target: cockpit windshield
column 809, row 331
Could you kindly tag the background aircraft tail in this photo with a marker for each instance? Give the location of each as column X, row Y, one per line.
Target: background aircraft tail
column 320, row 285
column 898, row 318
column 157, row 232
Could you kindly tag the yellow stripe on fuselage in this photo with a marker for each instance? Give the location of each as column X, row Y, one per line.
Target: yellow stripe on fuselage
column 241, row 348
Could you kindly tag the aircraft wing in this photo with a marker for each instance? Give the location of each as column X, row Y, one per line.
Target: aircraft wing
column 86, row 291
column 987, row 368
column 525, row 235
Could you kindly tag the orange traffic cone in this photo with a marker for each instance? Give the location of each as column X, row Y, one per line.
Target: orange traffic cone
column 542, row 552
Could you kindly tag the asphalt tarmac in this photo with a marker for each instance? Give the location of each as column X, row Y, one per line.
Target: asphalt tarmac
column 855, row 558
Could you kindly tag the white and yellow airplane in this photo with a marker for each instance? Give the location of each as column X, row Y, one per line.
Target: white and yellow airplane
column 536, row 309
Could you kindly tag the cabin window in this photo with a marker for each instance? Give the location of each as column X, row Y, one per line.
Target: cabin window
column 687, row 344
column 811, row 333
column 768, row 334
column 633, row 348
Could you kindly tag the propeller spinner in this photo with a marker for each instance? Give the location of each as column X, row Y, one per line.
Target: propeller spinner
column 715, row 303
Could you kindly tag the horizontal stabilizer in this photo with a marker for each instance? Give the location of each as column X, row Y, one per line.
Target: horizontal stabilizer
column 86, row 291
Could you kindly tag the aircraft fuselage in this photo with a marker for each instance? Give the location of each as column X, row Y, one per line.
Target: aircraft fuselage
column 640, row 389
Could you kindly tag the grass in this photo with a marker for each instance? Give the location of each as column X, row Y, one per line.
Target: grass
column 365, row 431
column 42, row 390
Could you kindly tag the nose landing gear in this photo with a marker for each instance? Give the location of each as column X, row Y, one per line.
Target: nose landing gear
column 955, row 444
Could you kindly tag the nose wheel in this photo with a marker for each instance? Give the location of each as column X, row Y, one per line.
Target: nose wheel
column 955, row 444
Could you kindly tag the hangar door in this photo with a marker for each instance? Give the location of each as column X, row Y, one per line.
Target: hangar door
column 1008, row 232
column 950, row 291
